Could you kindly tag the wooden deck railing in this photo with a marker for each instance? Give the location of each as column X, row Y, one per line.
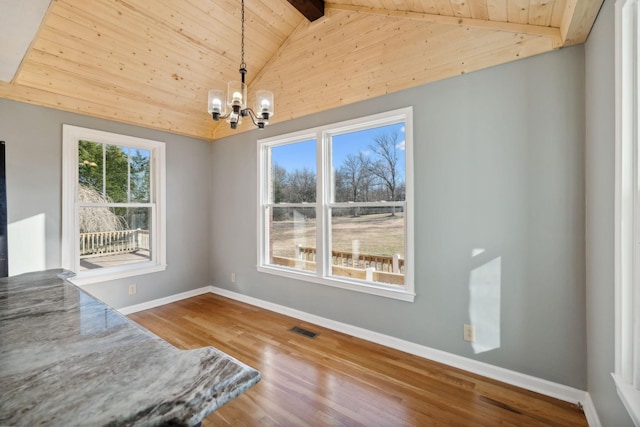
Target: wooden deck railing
column 389, row 264
column 113, row 242
column 368, row 274
column 374, row 268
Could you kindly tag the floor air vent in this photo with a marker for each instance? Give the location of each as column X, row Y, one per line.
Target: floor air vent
column 302, row 331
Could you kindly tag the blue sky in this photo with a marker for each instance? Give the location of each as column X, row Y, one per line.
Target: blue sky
column 303, row 154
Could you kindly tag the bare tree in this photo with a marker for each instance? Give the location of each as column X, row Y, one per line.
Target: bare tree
column 355, row 170
column 357, row 178
column 340, row 189
column 301, row 186
column 278, row 180
column 387, row 168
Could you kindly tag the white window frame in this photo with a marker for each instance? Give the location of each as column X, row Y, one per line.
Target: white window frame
column 627, row 207
column 322, row 135
column 71, row 135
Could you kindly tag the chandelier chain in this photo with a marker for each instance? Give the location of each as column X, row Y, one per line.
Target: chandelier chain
column 243, row 65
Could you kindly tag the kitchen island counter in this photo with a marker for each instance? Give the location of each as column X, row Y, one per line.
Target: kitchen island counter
column 67, row 358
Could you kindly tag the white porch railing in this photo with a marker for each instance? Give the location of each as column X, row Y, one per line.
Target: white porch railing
column 113, row 242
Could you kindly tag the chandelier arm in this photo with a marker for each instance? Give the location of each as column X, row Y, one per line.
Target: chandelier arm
column 262, row 121
column 249, row 112
column 220, row 117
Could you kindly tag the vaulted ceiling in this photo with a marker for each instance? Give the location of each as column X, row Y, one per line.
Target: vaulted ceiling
column 151, row 62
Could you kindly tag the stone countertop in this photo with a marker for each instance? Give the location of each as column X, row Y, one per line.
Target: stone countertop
column 68, row 359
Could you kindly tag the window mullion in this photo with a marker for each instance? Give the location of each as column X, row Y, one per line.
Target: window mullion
column 264, row 211
column 154, row 177
column 114, row 205
column 76, row 237
column 128, row 174
column 104, row 172
column 635, row 285
column 155, row 231
column 291, row 205
column 321, row 196
column 401, row 204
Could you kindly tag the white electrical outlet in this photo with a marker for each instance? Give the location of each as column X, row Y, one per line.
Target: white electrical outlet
column 469, row 333
column 233, row 277
column 132, row 289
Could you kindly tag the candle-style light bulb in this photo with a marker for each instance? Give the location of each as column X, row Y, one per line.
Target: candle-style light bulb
column 216, row 105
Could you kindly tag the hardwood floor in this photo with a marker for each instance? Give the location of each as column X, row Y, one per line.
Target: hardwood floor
column 339, row 380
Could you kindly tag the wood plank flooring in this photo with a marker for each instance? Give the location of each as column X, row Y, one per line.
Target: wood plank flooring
column 338, row 380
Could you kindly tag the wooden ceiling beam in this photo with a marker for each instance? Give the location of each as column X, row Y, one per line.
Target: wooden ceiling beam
column 534, row 30
column 311, row 9
column 577, row 20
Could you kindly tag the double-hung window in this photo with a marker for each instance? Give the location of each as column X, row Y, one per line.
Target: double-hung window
column 335, row 205
column 627, row 231
column 113, row 205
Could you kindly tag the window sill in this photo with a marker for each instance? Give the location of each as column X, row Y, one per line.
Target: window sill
column 382, row 291
column 630, row 398
column 89, row 277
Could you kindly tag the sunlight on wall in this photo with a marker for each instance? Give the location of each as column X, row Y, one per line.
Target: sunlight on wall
column 27, row 245
column 484, row 303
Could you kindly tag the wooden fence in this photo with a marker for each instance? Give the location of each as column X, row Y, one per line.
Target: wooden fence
column 113, row 242
column 368, row 274
column 374, row 268
column 389, row 264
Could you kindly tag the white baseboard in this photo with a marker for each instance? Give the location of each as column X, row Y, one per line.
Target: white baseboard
column 538, row 385
column 590, row 412
column 518, row 379
column 162, row 301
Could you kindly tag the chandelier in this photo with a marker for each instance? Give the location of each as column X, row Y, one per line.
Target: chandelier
column 236, row 98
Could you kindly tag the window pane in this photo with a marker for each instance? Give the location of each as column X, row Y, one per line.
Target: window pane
column 114, row 236
column 369, row 165
column 117, row 173
column 292, row 233
column 368, row 244
column 90, row 172
column 140, row 178
column 123, row 173
column 293, row 173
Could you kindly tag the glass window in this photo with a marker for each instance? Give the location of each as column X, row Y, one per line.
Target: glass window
column 335, row 205
column 367, row 234
column 114, row 187
column 291, row 205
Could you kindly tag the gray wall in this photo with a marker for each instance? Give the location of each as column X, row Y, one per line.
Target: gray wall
column 499, row 165
column 33, row 138
column 600, row 170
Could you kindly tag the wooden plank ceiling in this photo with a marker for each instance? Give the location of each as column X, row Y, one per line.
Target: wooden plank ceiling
column 151, row 62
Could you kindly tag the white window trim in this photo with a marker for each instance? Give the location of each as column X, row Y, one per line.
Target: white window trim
column 323, row 179
column 627, row 209
column 70, row 213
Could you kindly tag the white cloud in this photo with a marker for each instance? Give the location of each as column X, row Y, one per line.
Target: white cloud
column 366, row 153
column 402, row 129
column 400, row 145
